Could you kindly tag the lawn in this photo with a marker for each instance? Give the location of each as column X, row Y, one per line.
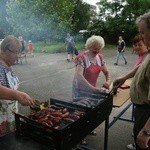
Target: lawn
column 59, row 47
column 53, row 47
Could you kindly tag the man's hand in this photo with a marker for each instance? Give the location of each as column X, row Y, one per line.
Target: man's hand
column 118, row 82
column 142, row 140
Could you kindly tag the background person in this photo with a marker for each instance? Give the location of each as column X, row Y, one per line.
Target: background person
column 22, row 53
column 30, row 48
column 121, row 49
column 70, row 45
column 9, row 95
column 22, row 43
column 141, row 49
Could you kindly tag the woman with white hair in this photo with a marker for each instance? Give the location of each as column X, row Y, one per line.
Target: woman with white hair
column 89, row 64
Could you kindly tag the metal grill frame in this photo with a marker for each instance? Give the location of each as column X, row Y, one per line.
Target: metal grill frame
column 73, row 133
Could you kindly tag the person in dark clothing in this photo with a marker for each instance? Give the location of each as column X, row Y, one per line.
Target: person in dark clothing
column 121, row 49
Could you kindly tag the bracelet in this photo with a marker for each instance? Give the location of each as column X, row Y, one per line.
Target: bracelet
column 145, row 132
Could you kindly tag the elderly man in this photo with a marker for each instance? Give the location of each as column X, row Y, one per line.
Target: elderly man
column 140, row 90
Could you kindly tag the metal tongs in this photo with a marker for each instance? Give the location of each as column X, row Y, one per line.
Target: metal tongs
column 113, row 91
column 39, row 105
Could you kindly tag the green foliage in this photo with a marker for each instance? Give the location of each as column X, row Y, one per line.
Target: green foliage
column 47, row 19
column 53, row 47
column 36, row 19
column 40, row 20
column 81, row 16
column 118, row 18
column 4, row 25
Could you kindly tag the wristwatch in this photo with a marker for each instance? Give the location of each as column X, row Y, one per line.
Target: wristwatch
column 145, row 132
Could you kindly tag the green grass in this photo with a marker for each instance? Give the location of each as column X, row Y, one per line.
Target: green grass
column 59, row 47
column 53, row 47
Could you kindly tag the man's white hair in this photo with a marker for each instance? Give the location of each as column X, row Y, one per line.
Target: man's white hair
column 145, row 17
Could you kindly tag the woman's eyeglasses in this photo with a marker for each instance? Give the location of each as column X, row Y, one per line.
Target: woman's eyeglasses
column 14, row 52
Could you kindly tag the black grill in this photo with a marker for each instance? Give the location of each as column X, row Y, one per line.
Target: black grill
column 71, row 134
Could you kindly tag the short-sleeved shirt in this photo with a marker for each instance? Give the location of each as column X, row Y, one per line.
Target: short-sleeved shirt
column 91, row 71
column 69, row 42
column 7, row 107
column 140, row 86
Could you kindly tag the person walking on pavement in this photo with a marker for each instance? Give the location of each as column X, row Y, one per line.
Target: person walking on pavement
column 70, row 45
column 23, row 43
column 30, row 48
column 121, row 49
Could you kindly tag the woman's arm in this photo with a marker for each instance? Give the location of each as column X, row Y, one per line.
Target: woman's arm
column 10, row 94
column 79, row 76
column 107, row 76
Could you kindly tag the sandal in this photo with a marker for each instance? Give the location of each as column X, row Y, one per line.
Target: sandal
column 93, row 133
column 131, row 146
column 84, row 142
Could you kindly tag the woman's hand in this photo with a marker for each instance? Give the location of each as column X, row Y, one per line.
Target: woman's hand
column 106, row 85
column 24, row 99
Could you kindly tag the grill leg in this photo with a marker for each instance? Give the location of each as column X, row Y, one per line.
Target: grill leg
column 106, row 133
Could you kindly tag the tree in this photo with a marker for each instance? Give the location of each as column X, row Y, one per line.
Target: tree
column 81, row 16
column 4, row 25
column 118, row 18
column 43, row 19
column 36, row 18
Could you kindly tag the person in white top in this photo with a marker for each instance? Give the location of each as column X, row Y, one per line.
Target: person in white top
column 9, row 83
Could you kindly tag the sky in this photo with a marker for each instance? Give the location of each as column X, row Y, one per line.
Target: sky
column 92, row 2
